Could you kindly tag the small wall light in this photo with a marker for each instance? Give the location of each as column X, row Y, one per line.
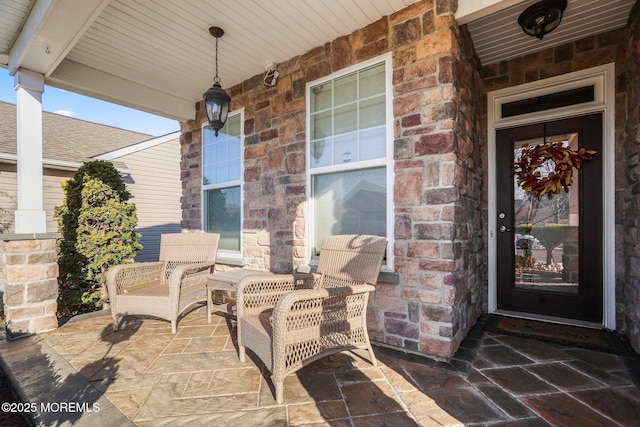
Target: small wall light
column 543, row 17
column 271, row 74
column 216, row 100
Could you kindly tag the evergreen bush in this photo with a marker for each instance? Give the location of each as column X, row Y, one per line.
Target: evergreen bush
column 5, row 214
column 97, row 228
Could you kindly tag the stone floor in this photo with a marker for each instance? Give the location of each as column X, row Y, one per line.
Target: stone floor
column 155, row 378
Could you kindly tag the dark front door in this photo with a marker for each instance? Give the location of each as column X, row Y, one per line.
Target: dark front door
column 550, row 250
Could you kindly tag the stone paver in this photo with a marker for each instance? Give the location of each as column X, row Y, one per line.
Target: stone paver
column 152, row 377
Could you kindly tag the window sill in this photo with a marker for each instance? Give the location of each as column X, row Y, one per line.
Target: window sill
column 384, row 276
column 229, row 259
column 389, row 277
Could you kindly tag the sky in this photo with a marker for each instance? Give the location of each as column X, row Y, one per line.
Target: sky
column 93, row 110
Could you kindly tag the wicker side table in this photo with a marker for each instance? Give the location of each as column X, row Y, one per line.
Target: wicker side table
column 226, row 281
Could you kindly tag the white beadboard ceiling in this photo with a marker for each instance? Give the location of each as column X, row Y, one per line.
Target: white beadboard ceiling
column 158, row 55
column 498, row 37
column 13, row 14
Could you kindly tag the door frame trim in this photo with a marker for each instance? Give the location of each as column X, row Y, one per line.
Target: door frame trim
column 603, row 80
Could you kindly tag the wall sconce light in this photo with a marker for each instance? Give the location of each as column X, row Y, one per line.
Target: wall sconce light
column 216, row 100
column 543, row 17
column 270, row 74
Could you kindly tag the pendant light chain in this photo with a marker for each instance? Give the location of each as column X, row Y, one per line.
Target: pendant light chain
column 216, row 79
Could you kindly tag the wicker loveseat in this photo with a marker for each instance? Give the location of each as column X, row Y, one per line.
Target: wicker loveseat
column 166, row 288
column 289, row 321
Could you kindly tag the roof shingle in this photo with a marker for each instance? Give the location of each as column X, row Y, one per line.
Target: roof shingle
column 66, row 138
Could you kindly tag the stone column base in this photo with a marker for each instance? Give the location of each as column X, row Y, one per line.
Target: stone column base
column 29, row 275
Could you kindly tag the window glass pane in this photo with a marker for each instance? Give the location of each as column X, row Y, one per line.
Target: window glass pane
column 232, row 126
column 373, row 143
column 547, row 236
column 356, row 104
column 221, row 164
column 345, row 148
column 321, row 152
column 547, row 102
column 372, row 81
column 222, row 172
column 207, row 157
column 321, row 125
column 350, row 202
column 346, row 119
column 234, row 171
column 234, row 163
column 321, row 97
column 208, row 138
column 223, row 216
column 234, row 148
column 372, row 112
column 220, row 150
column 346, row 89
column 222, row 153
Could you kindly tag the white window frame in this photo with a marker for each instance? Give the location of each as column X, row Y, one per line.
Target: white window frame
column 231, row 257
column 387, row 161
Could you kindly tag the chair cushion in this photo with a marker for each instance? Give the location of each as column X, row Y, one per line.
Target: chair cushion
column 153, row 289
column 257, row 330
column 152, row 300
column 261, row 322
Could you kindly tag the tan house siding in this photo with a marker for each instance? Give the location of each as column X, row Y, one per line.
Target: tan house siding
column 52, row 193
column 8, row 195
column 153, row 165
column 155, row 185
column 153, row 181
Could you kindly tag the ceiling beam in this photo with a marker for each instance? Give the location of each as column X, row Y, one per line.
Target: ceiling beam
column 470, row 10
column 50, row 32
column 78, row 78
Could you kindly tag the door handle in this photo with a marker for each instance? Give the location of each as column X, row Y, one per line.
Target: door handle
column 503, row 229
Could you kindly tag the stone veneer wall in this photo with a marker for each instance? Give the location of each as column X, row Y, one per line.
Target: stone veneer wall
column 437, row 161
column 585, row 53
column 438, row 195
column 29, row 275
column 631, row 194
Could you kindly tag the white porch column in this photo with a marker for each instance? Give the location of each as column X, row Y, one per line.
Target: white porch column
column 30, row 216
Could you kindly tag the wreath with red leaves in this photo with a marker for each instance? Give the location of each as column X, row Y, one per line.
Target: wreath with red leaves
column 564, row 160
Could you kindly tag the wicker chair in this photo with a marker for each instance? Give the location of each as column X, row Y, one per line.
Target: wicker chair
column 166, row 288
column 289, row 321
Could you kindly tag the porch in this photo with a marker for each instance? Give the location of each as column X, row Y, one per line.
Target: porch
column 147, row 376
column 436, row 154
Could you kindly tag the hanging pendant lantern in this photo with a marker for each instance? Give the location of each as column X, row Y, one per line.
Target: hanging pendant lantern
column 216, row 100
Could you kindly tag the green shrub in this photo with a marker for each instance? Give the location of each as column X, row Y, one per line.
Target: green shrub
column 97, row 228
column 106, row 229
column 550, row 235
column 5, row 214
